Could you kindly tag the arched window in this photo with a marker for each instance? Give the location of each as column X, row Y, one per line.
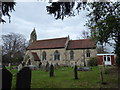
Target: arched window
column 71, row 54
column 87, row 53
column 44, row 55
column 56, row 55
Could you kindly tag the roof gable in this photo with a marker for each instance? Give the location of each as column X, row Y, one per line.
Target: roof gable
column 36, row 58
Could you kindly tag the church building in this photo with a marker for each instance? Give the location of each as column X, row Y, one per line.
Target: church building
column 62, row 51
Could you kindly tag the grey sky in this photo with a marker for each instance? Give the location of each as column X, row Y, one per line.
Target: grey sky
column 28, row 15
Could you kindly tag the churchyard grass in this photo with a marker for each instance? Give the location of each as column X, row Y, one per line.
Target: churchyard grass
column 64, row 78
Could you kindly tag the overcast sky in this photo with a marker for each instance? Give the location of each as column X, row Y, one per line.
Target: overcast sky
column 30, row 15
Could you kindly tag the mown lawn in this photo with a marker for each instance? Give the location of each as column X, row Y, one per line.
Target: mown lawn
column 64, row 78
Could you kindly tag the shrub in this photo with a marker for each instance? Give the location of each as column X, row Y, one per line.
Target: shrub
column 93, row 61
column 117, row 61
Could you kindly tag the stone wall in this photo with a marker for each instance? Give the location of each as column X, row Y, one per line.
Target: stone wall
column 64, row 56
column 49, row 57
column 79, row 55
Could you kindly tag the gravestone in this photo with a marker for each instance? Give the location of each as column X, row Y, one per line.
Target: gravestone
column 10, row 66
column 40, row 65
column 51, row 70
column 6, row 79
column 23, row 79
column 75, row 72
column 47, row 67
column 84, row 69
column 20, row 67
column 43, row 67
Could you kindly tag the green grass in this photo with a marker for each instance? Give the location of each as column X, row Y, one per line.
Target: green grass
column 65, row 79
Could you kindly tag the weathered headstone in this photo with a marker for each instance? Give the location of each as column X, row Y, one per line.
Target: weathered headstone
column 84, row 69
column 20, row 67
column 23, row 79
column 75, row 72
column 40, row 64
column 10, row 66
column 6, row 79
column 47, row 67
column 51, row 70
column 43, row 67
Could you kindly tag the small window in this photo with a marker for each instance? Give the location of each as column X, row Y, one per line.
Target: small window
column 44, row 55
column 108, row 58
column 56, row 55
column 88, row 53
column 104, row 58
column 71, row 54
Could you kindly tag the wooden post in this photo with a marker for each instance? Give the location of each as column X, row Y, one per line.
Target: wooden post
column 101, row 74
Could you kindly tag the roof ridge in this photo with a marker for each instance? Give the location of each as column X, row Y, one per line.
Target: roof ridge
column 80, row 39
column 52, row 39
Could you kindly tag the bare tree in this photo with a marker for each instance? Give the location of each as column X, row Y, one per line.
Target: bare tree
column 85, row 34
column 101, row 49
column 13, row 45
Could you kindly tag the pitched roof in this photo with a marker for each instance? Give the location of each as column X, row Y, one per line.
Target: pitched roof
column 48, row 44
column 81, row 44
column 36, row 58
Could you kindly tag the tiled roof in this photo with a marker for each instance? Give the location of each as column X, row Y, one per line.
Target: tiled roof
column 36, row 58
column 48, row 44
column 81, row 44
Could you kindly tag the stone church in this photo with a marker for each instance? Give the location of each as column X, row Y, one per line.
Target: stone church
column 62, row 51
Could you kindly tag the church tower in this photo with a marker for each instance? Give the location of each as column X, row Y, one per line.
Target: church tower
column 33, row 36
